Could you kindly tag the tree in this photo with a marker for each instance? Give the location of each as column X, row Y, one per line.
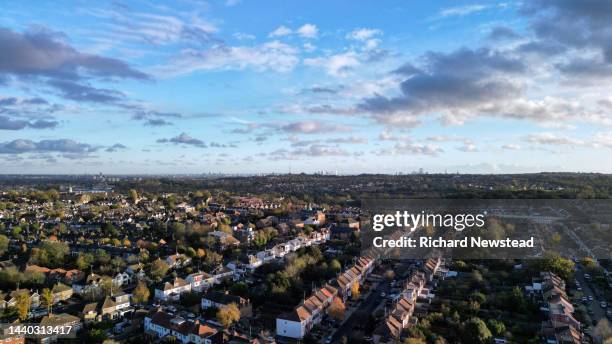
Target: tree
column 355, row 293
column 9, row 277
column 589, row 263
column 229, row 314
column 133, row 196
column 118, row 263
column 50, row 253
column 106, row 284
column 141, row 293
column 478, row 297
column 222, row 227
column 47, row 299
column 102, row 256
column 497, row 327
column 22, row 305
column 335, row 266
column 415, row 341
column 96, row 335
column 556, row 238
column 159, row 268
column 84, row 260
column 336, row 309
column 213, row 258
column 555, row 263
column 602, row 330
column 260, row 239
column 4, row 243
column 476, row 331
column 33, row 278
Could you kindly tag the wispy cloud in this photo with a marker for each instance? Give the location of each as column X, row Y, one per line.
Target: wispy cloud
column 462, row 10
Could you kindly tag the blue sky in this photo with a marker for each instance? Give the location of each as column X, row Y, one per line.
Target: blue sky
column 243, row 86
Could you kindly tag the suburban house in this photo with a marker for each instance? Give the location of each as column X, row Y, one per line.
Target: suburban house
column 178, row 260
column 116, row 306
column 306, row 315
column 11, row 339
column 122, row 278
column 61, row 292
column 63, row 320
column 199, row 281
column 218, row 299
column 221, row 273
column 358, row 272
column 172, row 291
column 90, row 312
column 160, row 325
column 11, row 300
column 90, row 285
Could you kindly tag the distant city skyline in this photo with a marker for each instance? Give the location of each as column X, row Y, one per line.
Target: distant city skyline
column 247, row 87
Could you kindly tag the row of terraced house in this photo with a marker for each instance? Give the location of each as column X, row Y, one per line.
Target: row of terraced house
column 561, row 327
column 410, row 305
column 310, row 312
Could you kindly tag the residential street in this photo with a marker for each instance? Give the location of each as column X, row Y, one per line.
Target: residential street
column 597, row 312
column 368, row 305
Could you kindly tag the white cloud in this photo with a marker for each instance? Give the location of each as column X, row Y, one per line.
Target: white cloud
column 335, row 65
column 603, row 139
column 552, row 139
column 308, row 47
column 273, row 55
column 363, row 34
column 243, row 36
column 410, row 148
column 280, row 31
column 461, row 11
column 308, row 31
column 511, row 146
column 468, row 147
column 162, row 29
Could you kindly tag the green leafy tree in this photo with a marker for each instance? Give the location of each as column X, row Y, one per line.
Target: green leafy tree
column 335, row 266
column 50, row 253
column 47, row 299
column 84, row 261
column 497, row 327
column 476, row 331
column 4, row 244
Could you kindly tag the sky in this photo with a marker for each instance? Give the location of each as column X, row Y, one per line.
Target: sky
column 245, row 86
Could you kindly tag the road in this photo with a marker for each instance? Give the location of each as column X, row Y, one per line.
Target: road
column 587, row 290
column 368, row 305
